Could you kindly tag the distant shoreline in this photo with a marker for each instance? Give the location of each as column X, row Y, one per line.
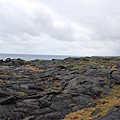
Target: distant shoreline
column 32, row 57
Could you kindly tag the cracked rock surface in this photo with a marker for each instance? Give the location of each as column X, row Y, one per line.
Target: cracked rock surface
column 51, row 89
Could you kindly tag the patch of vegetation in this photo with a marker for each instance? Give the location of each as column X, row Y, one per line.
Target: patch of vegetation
column 24, row 79
column 75, row 66
column 35, row 68
column 41, row 60
column 103, row 68
column 22, row 93
column 80, row 67
column 87, row 59
column 70, row 66
column 104, row 103
column 2, row 81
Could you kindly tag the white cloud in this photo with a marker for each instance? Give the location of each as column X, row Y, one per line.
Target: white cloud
column 108, row 28
column 71, row 27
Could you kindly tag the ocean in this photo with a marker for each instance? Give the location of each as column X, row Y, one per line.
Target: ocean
column 32, row 57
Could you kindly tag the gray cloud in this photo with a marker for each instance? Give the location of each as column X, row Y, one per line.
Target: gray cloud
column 17, row 20
column 108, row 28
column 78, row 27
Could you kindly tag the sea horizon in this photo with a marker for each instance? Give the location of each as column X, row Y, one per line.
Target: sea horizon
column 33, row 56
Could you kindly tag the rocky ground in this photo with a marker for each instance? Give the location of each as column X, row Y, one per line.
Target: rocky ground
column 85, row 88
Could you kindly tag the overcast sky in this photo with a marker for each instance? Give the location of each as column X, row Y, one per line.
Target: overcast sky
column 60, row 27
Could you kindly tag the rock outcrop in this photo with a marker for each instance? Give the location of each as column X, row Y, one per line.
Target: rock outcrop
column 52, row 89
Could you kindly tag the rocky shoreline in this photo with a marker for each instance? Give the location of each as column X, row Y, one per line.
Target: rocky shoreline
column 60, row 89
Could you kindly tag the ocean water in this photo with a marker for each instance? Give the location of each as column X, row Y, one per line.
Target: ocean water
column 32, row 57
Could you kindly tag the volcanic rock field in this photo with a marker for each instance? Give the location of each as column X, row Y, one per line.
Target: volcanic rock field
column 86, row 88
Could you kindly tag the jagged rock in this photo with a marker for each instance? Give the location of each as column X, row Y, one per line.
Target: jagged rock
column 53, row 116
column 116, row 77
column 90, row 72
column 18, row 62
column 42, row 111
column 29, row 118
column 112, row 114
column 118, row 65
column 2, row 112
column 61, row 103
column 8, row 100
column 8, row 60
column 31, row 103
column 1, row 60
column 45, row 101
column 14, row 62
column 86, row 85
column 106, row 90
column 81, row 100
column 95, row 112
column 3, row 94
column 37, row 87
column 27, row 93
column 102, row 73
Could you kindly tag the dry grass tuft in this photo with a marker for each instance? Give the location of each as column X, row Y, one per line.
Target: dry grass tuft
column 104, row 103
column 35, row 68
